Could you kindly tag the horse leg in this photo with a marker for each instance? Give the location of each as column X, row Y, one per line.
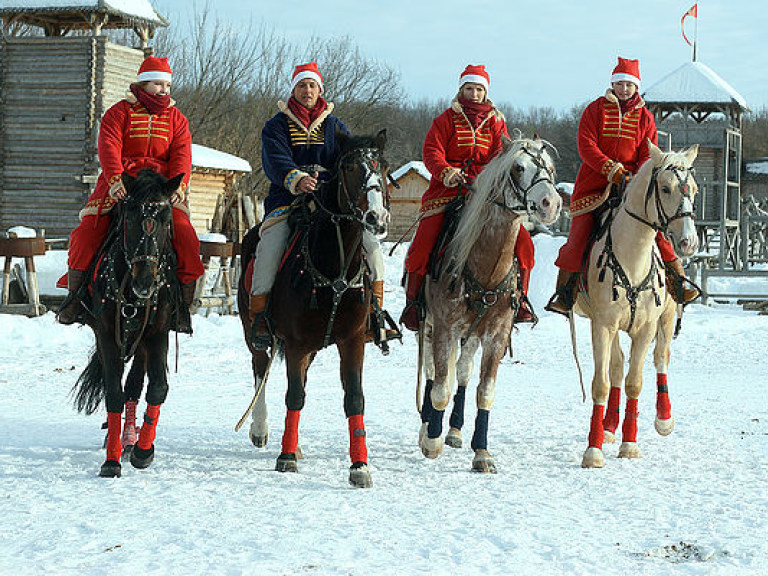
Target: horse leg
column 134, row 383
column 611, row 420
column 664, row 422
column 114, row 400
column 464, row 369
column 444, row 355
column 296, row 369
column 351, row 354
column 601, row 350
column 259, row 431
column 429, row 372
column 486, row 394
column 156, row 347
column 641, row 341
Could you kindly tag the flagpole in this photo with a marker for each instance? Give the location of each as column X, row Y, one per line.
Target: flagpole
column 695, row 32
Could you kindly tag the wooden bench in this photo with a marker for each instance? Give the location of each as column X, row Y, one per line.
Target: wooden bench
column 26, row 248
column 220, row 294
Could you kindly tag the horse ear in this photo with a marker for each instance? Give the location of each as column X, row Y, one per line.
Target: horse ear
column 691, row 153
column 536, row 136
column 173, row 184
column 506, row 143
column 128, row 181
column 655, row 152
column 381, row 139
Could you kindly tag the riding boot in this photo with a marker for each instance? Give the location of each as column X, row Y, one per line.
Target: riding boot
column 676, row 283
column 71, row 308
column 410, row 316
column 260, row 336
column 565, row 293
column 184, row 322
column 377, row 288
column 524, row 313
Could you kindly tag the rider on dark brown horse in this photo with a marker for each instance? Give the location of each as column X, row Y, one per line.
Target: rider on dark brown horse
column 612, row 141
column 299, row 148
column 460, row 142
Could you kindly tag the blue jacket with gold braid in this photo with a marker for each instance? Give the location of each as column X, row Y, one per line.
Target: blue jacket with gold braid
column 288, row 149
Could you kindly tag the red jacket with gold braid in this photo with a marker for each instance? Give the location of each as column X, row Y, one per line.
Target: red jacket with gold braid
column 131, row 139
column 450, row 143
column 606, row 137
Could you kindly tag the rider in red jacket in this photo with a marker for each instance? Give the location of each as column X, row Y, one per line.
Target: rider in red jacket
column 145, row 130
column 458, row 145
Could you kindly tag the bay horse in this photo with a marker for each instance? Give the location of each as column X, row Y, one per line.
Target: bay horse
column 625, row 291
column 134, row 296
column 322, row 296
column 472, row 302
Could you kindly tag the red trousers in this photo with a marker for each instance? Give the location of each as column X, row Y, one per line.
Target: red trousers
column 571, row 256
column 87, row 238
column 429, row 229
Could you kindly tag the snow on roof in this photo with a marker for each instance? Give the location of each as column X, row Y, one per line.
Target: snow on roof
column 204, row 157
column 757, row 167
column 416, row 165
column 138, row 9
column 694, row 82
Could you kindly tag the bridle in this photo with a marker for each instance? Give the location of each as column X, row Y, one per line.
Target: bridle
column 544, row 173
column 150, row 226
column 664, row 220
column 370, row 159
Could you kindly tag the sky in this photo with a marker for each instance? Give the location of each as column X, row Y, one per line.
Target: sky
column 554, row 53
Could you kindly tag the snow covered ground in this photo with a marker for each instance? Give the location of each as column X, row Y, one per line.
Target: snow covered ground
column 696, row 503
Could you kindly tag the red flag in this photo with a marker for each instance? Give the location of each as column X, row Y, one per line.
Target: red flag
column 693, row 12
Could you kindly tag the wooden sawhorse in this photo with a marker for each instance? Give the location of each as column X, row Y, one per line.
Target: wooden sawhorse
column 210, row 299
column 26, row 248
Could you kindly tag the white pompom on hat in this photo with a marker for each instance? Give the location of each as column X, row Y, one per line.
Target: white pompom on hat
column 627, row 71
column 476, row 75
column 308, row 70
column 154, row 69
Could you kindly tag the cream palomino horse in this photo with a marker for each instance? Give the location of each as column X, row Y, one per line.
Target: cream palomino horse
column 626, row 292
column 472, row 302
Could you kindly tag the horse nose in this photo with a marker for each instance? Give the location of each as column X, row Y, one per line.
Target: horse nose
column 545, row 203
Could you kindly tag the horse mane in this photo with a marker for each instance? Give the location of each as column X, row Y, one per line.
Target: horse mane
column 644, row 173
column 148, row 186
column 489, row 185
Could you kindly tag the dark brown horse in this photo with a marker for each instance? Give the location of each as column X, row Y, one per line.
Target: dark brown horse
column 322, row 296
column 134, row 296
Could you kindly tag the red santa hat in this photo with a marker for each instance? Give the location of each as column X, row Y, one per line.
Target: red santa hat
column 154, row 69
column 627, row 71
column 475, row 74
column 304, row 71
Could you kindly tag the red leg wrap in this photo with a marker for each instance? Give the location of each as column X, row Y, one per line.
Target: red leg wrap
column 611, row 421
column 129, row 428
column 291, row 433
column 663, row 407
column 357, row 449
column 629, row 428
column 114, row 447
column 596, row 427
column 148, row 429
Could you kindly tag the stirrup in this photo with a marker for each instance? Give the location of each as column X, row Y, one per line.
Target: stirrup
column 525, row 306
column 560, row 298
column 260, row 339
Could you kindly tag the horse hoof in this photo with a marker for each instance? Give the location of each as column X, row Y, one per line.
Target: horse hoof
column 127, row 451
column 299, row 453
column 483, row 463
column 609, row 437
column 259, row 440
column 664, row 427
column 432, row 447
column 360, row 475
column 286, row 463
column 422, row 433
column 453, row 438
column 141, row 458
column 593, row 458
column 110, row 469
column 629, row 450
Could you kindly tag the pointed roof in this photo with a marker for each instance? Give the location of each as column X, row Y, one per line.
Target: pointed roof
column 123, row 13
column 416, row 166
column 694, row 82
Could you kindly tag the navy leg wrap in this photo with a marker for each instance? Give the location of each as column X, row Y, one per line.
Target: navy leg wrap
column 480, row 437
column 426, row 407
column 457, row 414
column 435, row 427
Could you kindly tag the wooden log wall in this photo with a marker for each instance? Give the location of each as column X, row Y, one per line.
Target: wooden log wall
column 54, row 91
column 405, row 203
column 206, row 186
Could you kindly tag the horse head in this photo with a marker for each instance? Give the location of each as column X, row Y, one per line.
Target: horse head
column 530, row 178
column 146, row 227
column 362, row 189
column 671, row 191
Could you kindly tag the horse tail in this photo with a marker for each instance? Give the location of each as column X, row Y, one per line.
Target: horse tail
column 89, row 390
column 248, row 247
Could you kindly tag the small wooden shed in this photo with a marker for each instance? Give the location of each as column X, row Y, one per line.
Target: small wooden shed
column 405, row 202
column 55, row 89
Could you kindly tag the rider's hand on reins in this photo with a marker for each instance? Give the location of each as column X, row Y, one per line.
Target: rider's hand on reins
column 453, row 177
column 308, row 183
column 177, row 197
column 117, row 190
